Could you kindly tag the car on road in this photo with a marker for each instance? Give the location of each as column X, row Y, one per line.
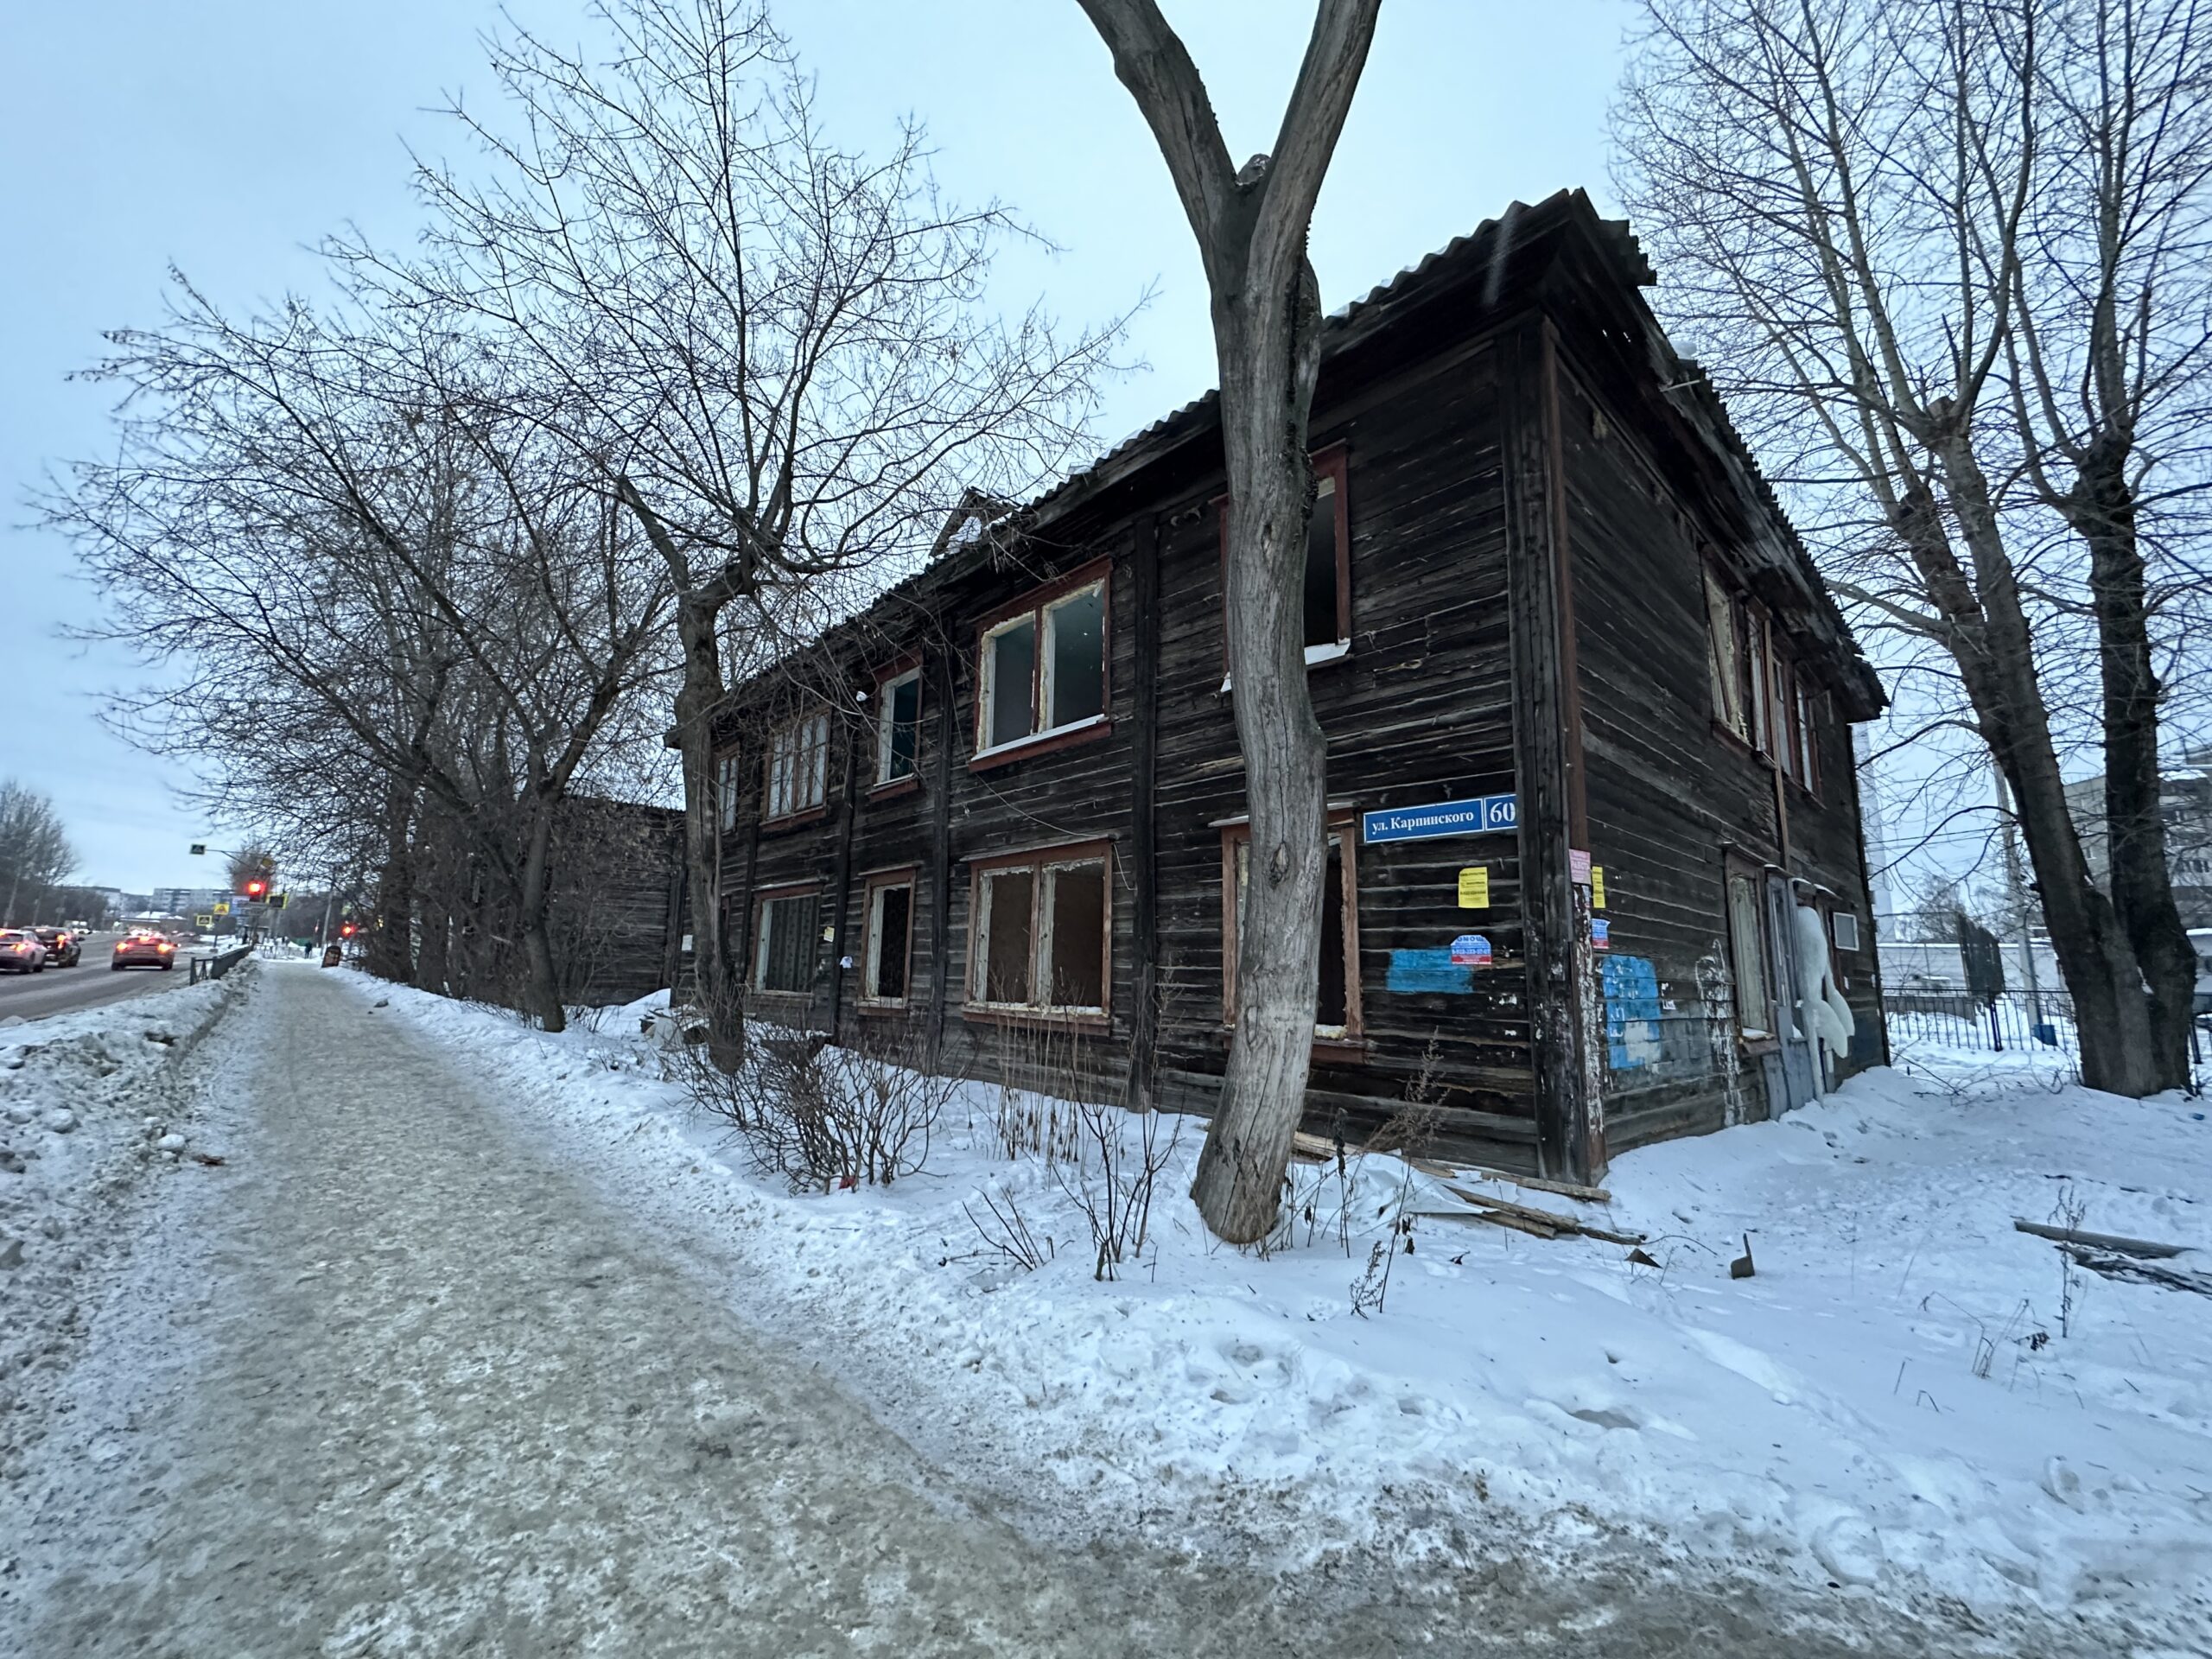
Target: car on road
column 63, row 948
column 21, row 951
column 142, row 951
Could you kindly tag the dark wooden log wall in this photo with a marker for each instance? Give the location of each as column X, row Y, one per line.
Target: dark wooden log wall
column 1670, row 791
column 1512, row 555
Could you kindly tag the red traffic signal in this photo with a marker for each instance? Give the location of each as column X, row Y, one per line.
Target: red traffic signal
column 346, row 931
column 256, row 888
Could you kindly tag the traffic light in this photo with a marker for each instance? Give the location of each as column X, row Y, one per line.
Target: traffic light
column 256, row 888
column 346, row 931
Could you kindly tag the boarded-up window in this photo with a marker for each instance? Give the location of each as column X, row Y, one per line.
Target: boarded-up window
column 1724, row 658
column 1747, row 951
column 1337, row 1009
column 1073, row 948
column 784, row 959
column 890, row 926
column 1043, row 933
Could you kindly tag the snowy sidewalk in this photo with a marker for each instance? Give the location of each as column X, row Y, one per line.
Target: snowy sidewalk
column 399, row 1378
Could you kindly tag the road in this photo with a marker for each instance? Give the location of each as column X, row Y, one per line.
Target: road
column 396, row 1380
column 92, row 982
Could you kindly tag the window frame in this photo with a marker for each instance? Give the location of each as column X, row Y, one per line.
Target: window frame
column 728, row 772
column 1331, row 463
column 1038, row 861
column 875, row 884
column 1343, row 825
column 815, row 807
column 1033, row 608
column 1751, row 1039
column 888, row 679
column 757, row 971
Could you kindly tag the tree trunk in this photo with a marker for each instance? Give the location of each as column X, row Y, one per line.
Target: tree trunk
column 696, row 700
column 1996, row 657
column 2103, row 511
column 1268, row 344
column 390, row 952
column 541, row 979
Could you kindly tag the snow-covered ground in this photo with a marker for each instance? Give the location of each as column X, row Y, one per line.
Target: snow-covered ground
column 88, row 1106
column 1908, row 1399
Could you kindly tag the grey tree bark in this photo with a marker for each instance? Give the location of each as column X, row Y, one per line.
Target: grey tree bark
column 1251, row 227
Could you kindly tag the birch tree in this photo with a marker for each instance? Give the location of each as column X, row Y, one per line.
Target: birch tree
column 1251, row 226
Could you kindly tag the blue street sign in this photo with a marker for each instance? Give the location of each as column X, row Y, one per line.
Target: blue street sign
column 1484, row 815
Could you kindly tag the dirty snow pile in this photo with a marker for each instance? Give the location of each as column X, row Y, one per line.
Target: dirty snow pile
column 1906, row 1397
column 89, row 1102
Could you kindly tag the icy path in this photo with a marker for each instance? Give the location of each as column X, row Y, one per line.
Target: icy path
column 394, row 1380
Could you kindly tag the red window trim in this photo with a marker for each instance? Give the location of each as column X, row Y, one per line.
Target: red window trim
column 1036, row 858
column 1344, row 820
column 1099, row 571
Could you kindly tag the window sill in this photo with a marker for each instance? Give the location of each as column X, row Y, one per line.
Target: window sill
column 1337, row 650
column 891, row 792
column 1060, row 737
column 782, row 999
column 1007, row 1014
column 882, row 1008
column 793, row 821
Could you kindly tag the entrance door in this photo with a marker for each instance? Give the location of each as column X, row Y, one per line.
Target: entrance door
column 1799, row 1080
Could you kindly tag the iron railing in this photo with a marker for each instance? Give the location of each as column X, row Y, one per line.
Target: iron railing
column 2039, row 1025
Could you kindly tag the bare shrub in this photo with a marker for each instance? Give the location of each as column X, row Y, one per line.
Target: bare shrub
column 1008, row 1233
column 1113, row 1179
column 820, row 1117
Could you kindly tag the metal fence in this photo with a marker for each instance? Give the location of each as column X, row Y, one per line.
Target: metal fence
column 2039, row 1026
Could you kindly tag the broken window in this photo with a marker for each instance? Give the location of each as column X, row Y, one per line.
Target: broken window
column 798, row 766
column 1337, row 1010
column 890, row 932
column 898, row 726
column 1326, row 586
column 1809, row 770
column 1748, row 958
column 1043, row 669
column 1043, row 931
column 783, row 956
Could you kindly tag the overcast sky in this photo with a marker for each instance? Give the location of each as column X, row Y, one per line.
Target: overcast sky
column 225, row 137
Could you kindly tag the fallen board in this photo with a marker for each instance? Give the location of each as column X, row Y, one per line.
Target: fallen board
column 2143, row 1247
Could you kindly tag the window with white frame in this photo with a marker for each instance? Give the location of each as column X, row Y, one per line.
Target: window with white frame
column 1043, row 670
column 784, row 952
column 1042, row 932
column 726, row 785
column 890, row 939
column 798, row 766
column 899, row 727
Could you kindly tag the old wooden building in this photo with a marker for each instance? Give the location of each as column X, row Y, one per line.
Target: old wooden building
column 1587, row 707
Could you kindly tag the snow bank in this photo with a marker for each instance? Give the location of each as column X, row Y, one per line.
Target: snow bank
column 88, row 1103
column 1908, row 1395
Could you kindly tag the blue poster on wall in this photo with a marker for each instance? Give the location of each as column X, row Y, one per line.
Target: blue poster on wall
column 1484, row 815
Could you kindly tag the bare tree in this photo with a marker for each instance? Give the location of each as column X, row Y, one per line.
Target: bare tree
column 776, row 353
column 1251, row 228
column 1883, row 224
column 359, row 515
column 34, row 851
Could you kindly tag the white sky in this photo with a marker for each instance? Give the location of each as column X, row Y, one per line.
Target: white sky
column 227, row 137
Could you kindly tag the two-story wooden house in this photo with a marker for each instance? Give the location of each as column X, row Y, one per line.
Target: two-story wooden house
column 1588, row 712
